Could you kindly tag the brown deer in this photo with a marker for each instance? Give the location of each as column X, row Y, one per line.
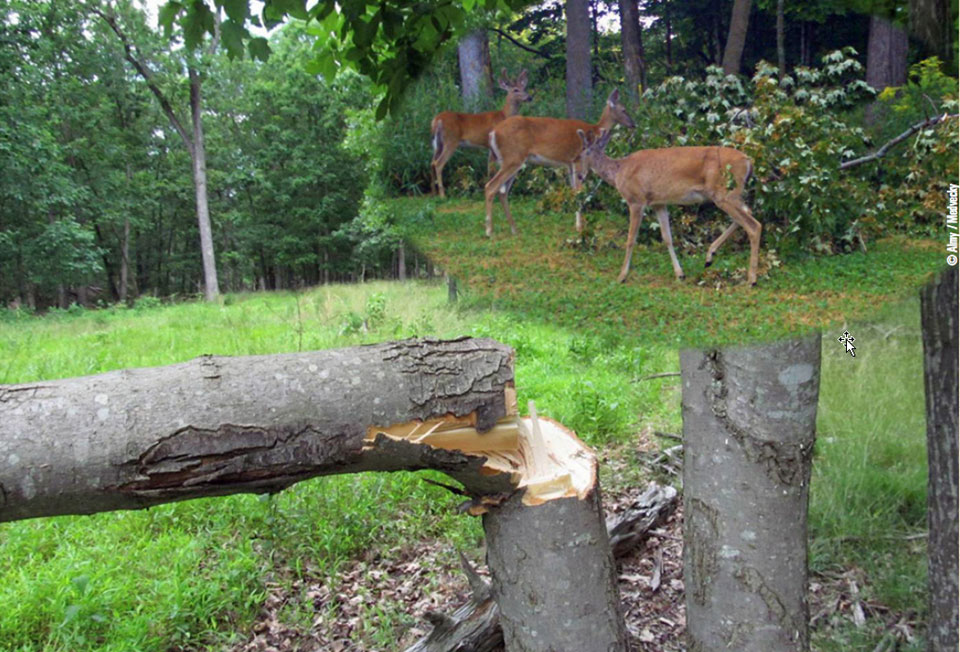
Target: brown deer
column 676, row 175
column 543, row 141
column 449, row 130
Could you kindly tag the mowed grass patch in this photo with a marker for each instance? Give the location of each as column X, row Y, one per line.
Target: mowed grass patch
column 544, row 273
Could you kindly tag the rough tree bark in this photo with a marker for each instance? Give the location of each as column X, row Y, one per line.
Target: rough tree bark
column 634, row 66
column 781, row 40
column 938, row 313
column 930, row 22
column 748, row 429
column 579, row 73
column 214, row 426
column 886, row 54
column 737, row 36
column 476, row 75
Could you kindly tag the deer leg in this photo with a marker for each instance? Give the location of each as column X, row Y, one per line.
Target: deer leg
column 636, row 216
column 504, row 191
column 740, row 213
column 712, row 249
column 446, row 151
column 578, row 218
column 498, row 184
column 663, row 216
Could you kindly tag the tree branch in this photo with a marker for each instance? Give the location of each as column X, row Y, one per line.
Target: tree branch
column 520, row 45
column 929, row 122
column 144, row 72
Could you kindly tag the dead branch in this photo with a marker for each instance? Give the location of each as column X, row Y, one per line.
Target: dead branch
column 929, row 122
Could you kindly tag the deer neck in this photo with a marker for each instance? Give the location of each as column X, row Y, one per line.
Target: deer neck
column 606, row 168
column 510, row 106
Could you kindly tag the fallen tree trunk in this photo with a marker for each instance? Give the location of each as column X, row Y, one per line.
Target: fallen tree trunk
column 475, row 625
column 213, row 426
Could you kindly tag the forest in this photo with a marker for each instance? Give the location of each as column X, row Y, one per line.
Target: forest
column 99, row 201
column 231, row 235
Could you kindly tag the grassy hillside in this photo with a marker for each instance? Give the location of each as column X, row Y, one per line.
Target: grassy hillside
column 195, row 575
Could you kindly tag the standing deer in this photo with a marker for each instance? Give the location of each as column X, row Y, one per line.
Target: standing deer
column 543, row 141
column 676, row 175
column 449, row 130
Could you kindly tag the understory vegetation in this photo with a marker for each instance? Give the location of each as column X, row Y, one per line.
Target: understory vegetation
column 194, row 575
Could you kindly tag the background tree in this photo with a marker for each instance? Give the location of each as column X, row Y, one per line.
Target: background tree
column 631, row 37
column 579, row 70
column 739, row 21
column 476, row 76
column 193, row 140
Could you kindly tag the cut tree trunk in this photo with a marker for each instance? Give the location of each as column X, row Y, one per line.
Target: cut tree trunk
column 748, row 431
column 214, row 426
column 938, row 312
column 476, row 624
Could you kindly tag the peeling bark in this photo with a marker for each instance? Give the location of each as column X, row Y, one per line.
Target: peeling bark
column 938, row 313
column 748, row 419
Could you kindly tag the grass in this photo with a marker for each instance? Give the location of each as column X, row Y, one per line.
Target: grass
column 193, row 575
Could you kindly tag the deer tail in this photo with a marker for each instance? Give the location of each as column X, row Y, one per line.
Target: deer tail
column 437, row 138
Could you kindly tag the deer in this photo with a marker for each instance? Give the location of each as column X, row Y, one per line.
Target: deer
column 676, row 176
column 543, row 141
column 449, row 130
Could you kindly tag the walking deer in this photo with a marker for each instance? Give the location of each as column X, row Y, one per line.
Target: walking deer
column 449, row 130
column 543, row 141
column 676, row 175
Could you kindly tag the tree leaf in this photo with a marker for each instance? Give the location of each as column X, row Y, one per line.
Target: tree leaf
column 232, row 35
column 237, row 10
column 259, row 48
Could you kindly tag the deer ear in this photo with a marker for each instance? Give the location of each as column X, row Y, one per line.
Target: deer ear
column 522, row 79
column 604, row 138
column 614, row 97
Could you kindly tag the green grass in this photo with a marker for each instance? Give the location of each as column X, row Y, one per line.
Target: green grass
column 193, row 575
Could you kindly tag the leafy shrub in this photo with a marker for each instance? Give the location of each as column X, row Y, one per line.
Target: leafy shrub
column 796, row 130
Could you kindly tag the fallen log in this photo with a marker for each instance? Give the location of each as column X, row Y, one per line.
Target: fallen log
column 213, row 426
column 475, row 625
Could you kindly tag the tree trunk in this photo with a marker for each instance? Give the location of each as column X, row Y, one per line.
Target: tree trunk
column 781, row 41
column 938, row 311
column 125, row 260
column 668, row 36
column 733, row 52
column 634, row 66
column 886, row 54
column 476, row 625
column 930, row 23
column 401, row 262
column 748, row 422
column 476, row 76
column 578, row 601
column 211, row 288
column 579, row 83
